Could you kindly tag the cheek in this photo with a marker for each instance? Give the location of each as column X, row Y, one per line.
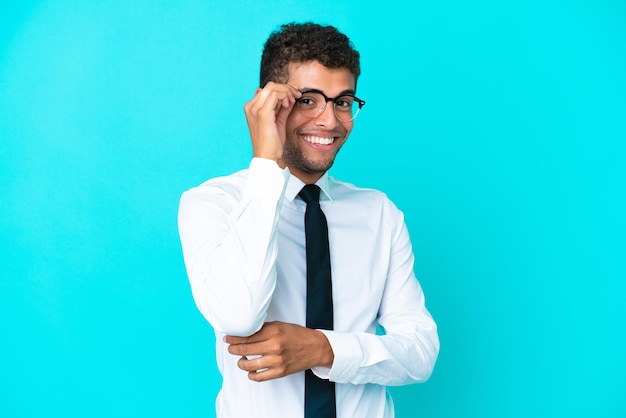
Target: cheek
column 348, row 127
column 294, row 121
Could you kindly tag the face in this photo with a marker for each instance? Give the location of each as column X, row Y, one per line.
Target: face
column 312, row 143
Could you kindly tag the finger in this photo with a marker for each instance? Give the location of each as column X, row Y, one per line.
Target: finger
column 249, row 349
column 230, row 339
column 284, row 93
column 260, row 335
column 267, row 331
column 252, row 365
column 267, row 103
column 260, row 363
column 294, row 90
column 282, row 86
column 288, row 101
column 252, row 339
column 295, row 94
column 285, row 110
column 266, row 374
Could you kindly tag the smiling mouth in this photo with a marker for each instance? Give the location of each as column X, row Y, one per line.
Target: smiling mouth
column 318, row 140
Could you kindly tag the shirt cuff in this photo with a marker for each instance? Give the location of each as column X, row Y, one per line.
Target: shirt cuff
column 265, row 178
column 348, row 357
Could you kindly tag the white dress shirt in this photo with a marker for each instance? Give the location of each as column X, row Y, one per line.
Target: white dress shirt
column 244, row 248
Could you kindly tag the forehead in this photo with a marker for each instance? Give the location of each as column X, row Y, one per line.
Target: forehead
column 315, row 75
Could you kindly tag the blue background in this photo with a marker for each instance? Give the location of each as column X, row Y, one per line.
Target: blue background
column 497, row 127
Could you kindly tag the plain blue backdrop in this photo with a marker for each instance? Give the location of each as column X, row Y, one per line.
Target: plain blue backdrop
column 497, row 127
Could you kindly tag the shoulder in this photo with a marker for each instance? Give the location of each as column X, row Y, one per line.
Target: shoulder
column 362, row 198
column 342, row 190
column 217, row 188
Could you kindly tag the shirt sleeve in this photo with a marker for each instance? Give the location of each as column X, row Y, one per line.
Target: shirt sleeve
column 229, row 242
column 408, row 350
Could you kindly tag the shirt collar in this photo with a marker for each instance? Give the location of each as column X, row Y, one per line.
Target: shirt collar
column 294, row 186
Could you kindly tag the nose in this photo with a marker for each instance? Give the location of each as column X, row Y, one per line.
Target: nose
column 327, row 118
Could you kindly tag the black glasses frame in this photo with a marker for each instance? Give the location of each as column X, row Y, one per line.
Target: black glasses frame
column 327, row 99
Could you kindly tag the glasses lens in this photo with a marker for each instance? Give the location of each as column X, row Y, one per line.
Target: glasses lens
column 346, row 108
column 311, row 104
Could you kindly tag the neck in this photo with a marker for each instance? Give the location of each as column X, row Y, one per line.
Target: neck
column 307, row 178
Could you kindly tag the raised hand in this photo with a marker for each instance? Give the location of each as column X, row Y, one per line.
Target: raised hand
column 267, row 114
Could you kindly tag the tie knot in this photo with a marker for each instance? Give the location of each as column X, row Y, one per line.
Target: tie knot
column 310, row 193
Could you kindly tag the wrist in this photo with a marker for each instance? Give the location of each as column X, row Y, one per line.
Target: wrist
column 327, row 356
column 267, row 153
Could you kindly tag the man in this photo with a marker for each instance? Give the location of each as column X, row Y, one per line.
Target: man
column 246, row 251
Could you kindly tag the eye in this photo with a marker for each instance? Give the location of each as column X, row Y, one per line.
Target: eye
column 344, row 103
column 306, row 102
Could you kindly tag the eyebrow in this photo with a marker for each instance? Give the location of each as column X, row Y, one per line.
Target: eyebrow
column 312, row 90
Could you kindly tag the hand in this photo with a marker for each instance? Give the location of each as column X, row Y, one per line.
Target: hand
column 283, row 348
column 267, row 114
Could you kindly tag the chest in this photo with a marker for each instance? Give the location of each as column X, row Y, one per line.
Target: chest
column 359, row 251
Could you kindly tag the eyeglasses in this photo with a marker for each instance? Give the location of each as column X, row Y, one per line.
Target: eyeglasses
column 313, row 103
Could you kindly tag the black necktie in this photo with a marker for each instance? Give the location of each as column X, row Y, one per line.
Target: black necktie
column 319, row 394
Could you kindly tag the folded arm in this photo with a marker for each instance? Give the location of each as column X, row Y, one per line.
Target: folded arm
column 228, row 236
column 408, row 350
column 405, row 354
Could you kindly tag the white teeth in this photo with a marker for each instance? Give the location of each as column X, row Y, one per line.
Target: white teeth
column 318, row 140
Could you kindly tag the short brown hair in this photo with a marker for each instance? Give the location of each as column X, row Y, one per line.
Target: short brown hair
column 304, row 42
